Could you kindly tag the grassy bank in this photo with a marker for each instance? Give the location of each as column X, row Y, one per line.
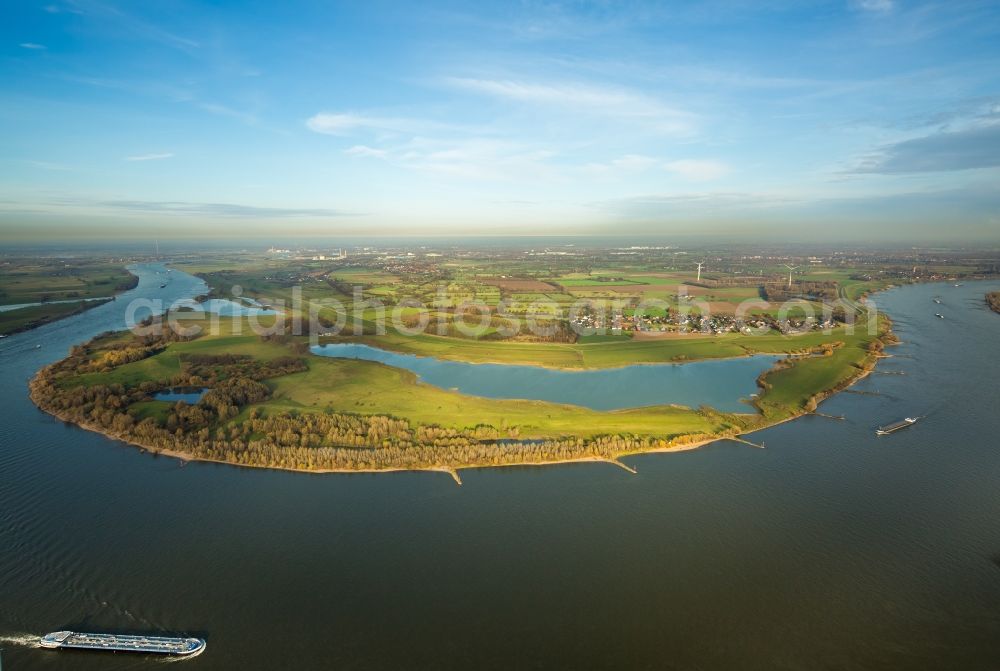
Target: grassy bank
column 14, row 321
column 33, row 280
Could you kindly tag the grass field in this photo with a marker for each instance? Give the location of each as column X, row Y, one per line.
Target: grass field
column 371, row 388
column 62, row 286
column 791, row 386
column 34, row 281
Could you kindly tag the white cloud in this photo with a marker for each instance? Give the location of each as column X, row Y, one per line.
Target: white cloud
column 219, row 209
column 697, row 170
column 124, row 23
column 149, row 157
column 46, row 165
column 479, row 158
column 337, row 124
column 603, row 101
column 347, row 123
column 223, row 110
column 630, row 163
column 32, row 45
column 365, row 151
column 875, row 6
column 633, row 162
column 67, row 9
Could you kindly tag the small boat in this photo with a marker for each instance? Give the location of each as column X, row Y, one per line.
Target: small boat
column 939, row 315
column 896, row 426
column 938, row 301
column 162, row 645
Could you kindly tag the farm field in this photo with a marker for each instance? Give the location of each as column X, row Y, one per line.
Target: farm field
column 52, row 289
column 34, row 281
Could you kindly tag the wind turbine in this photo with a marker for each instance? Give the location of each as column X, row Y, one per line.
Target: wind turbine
column 699, row 264
column 790, row 269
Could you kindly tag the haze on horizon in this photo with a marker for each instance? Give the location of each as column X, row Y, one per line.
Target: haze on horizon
column 808, row 119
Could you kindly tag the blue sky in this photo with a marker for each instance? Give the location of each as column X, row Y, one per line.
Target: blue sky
column 848, row 118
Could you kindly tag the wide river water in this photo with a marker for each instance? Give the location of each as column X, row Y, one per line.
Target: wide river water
column 829, row 549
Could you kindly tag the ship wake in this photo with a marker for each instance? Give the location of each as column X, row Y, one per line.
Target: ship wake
column 21, row 640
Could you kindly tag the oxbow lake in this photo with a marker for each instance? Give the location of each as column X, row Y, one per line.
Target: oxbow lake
column 722, row 384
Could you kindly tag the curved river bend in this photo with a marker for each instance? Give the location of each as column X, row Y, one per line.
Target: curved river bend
column 829, row 549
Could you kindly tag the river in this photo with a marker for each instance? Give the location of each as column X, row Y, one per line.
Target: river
column 831, row 548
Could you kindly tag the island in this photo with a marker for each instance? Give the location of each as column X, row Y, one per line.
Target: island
column 993, row 300
column 267, row 400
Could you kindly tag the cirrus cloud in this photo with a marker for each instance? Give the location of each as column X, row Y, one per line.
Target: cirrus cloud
column 697, row 170
column 349, row 123
column 365, row 151
column 150, row 157
column 585, row 98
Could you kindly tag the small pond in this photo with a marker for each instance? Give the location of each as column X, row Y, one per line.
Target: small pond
column 186, row 394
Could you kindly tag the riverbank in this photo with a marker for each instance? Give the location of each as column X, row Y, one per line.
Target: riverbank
column 31, row 317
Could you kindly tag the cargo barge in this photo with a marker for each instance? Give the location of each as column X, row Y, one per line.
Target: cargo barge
column 160, row 645
column 896, row 426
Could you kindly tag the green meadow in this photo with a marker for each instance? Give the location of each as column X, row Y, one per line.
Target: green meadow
column 35, row 281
